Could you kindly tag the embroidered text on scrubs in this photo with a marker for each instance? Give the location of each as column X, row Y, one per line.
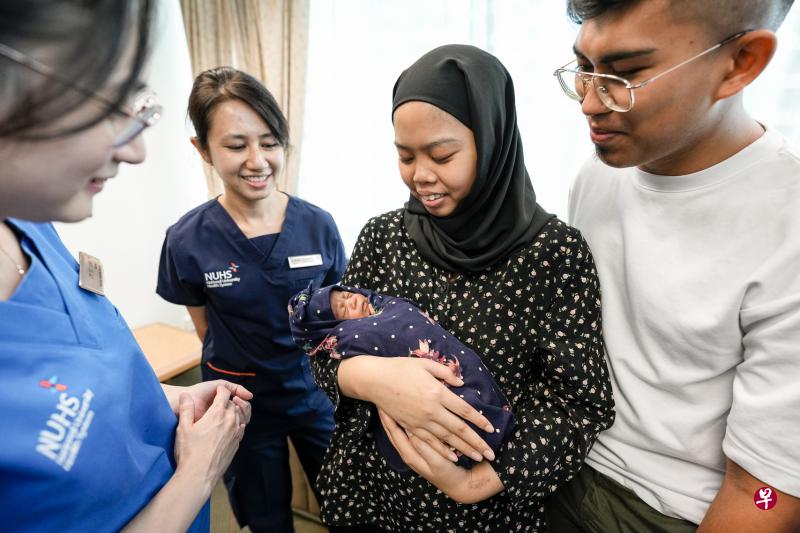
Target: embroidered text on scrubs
column 220, row 279
column 68, row 426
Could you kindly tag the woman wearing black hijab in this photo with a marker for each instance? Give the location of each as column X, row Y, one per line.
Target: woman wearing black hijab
column 475, row 251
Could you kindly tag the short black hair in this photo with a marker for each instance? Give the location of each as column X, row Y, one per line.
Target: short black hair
column 724, row 16
column 81, row 40
column 217, row 85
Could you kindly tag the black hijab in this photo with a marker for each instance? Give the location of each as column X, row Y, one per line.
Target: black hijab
column 500, row 213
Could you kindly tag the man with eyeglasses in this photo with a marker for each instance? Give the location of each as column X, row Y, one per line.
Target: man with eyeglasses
column 692, row 210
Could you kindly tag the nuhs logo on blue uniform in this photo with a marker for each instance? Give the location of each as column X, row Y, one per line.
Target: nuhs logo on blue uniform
column 67, row 426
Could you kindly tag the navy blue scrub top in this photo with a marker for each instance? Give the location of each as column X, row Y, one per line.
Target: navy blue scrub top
column 207, row 261
column 88, row 434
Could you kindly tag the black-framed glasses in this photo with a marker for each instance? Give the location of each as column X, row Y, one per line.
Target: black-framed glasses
column 615, row 92
column 142, row 112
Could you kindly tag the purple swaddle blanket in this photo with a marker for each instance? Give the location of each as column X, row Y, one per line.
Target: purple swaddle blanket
column 399, row 328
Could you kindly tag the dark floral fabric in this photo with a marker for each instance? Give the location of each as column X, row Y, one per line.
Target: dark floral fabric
column 534, row 318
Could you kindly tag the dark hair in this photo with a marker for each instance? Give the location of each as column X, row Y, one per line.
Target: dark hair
column 723, row 16
column 581, row 10
column 82, row 41
column 220, row 84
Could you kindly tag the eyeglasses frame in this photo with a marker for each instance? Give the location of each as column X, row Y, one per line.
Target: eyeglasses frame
column 628, row 85
column 148, row 114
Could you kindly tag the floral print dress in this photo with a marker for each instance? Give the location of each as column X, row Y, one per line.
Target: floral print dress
column 534, row 318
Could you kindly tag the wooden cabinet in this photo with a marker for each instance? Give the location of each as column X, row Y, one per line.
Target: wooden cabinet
column 170, row 351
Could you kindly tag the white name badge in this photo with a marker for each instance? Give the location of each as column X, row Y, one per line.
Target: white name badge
column 302, row 261
column 91, row 273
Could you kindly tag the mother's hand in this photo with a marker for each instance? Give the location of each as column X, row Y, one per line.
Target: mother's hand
column 411, row 392
column 458, row 483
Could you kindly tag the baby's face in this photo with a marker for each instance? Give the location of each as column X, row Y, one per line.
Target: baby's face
column 350, row 305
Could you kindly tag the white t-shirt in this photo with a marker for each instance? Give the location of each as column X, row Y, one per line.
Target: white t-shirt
column 700, row 280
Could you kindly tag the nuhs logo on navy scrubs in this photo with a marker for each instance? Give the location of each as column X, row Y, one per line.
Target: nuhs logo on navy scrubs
column 219, row 279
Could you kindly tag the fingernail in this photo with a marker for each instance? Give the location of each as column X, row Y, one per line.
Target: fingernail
column 460, row 383
column 489, row 454
column 454, row 457
column 489, row 428
column 476, row 456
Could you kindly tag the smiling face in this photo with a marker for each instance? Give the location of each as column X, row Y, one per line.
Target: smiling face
column 437, row 156
column 665, row 129
column 350, row 305
column 243, row 151
column 57, row 179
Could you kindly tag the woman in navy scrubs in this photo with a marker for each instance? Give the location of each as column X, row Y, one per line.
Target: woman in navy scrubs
column 89, row 435
column 235, row 262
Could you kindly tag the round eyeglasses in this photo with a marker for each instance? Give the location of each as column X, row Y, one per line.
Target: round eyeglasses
column 128, row 121
column 615, row 92
column 132, row 119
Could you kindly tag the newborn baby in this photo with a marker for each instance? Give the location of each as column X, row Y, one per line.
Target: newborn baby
column 344, row 322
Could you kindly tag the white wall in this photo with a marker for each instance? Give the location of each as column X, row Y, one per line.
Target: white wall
column 134, row 210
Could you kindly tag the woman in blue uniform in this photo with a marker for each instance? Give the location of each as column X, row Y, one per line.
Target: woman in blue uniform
column 234, row 262
column 89, row 435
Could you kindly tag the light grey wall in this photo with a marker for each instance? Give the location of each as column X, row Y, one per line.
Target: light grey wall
column 135, row 208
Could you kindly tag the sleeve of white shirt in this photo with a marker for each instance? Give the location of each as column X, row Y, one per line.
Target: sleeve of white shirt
column 575, row 188
column 763, row 432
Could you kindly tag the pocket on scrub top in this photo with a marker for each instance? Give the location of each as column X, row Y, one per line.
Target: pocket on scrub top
column 299, row 279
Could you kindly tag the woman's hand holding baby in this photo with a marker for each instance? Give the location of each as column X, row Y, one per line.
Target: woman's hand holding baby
column 460, row 484
column 411, row 392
